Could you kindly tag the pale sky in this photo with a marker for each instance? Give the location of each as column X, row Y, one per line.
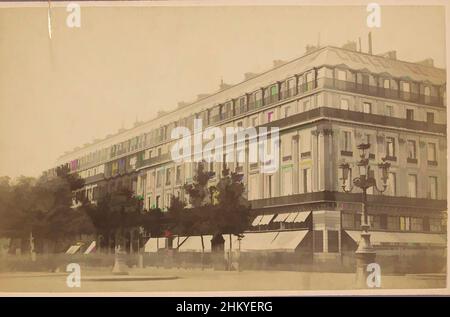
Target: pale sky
column 128, row 62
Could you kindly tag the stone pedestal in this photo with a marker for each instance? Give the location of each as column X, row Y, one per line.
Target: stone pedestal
column 364, row 255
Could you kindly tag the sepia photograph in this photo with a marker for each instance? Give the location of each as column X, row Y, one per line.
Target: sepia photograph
column 200, row 148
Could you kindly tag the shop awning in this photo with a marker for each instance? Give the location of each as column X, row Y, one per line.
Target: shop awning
column 281, row 217
column 252, row 241
column 266, row 219
column 267, row 241
column 404, row 238
column 301, row 216
column 194, row 243
column 291, row 217
column 257, row 221
column 90, row 248
column 151, row 245
column 154, row 244
column 288, row 240
column 73, row 249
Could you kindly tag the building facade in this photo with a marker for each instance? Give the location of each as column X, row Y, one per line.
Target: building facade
column 325, row 103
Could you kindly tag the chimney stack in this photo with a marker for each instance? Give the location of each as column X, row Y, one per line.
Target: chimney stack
column 249, row 75
column 370, row 43
column 278, row 62
column 350, row 45
column 426, row 62
column 389, row 54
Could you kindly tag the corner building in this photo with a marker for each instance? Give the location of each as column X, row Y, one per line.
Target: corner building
column 325, row 104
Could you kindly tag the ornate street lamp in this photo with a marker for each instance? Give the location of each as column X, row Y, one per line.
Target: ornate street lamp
column 365, row 253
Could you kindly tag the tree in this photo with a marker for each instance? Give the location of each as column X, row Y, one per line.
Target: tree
column 232, row 214
column 198, row 191
column 116, row 213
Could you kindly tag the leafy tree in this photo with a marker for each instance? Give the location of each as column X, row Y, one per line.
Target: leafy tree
column 198, row 191
column 115, row 214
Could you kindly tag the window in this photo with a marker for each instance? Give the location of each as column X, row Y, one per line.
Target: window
column 333, row 241
column 269, row 186
column 367, row 107
column 305, row 143
column 287, row 182
column 412, row 150
column 241, row 104
column 253, row 190
column 406, row 87
column 309, row 81
column 435, row 225
column 405, row 224
column 432, row 187
column 416, row 224
column 386, row 84
column 168, row 176
column 270, row 116
column 168, row 198
column 286, row 146
column 347, row 145
column 307, row 180
column 412, row 185
column 255, row 121
column 390, row 111
column 257, row 97
column 158, row 198
column 409, row 114
column 431, row 152
column 393, row 223
column 158, row 178
column 390, row 147
column 290, row 87
column 348, row 184
column 273, row 90
column 287, row 111
column 318, row 241
column 430, row 117
column 341, row 75
column 374, row 221
column 368, row 140
column 306, row 105
column 427, row 91
column 178, row 174
column 391, row 184
column 348, row 221
column 344, row 104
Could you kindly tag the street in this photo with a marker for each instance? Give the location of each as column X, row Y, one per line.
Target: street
column 196, row 280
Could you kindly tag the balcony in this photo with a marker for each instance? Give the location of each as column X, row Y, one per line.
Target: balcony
column 153, row 160
column 380, row 92
column 326, row 112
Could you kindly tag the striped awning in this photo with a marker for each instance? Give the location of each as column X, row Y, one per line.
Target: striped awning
column 378, row 238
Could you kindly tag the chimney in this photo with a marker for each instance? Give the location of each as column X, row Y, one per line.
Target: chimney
column 162, row 112
column 201, row 96
column 223, row 85
column 278, row 62
column 389, row 54
column 311, row 48
column 370, row 43
column 350, row 45
column 249, row 75
column 360, row 47
column 426, row 62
